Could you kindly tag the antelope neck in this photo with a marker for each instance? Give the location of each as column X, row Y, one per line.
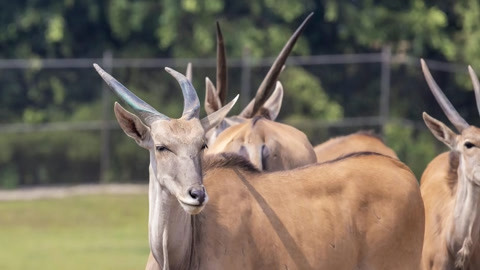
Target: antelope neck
column 170, row 228
column 465, row 226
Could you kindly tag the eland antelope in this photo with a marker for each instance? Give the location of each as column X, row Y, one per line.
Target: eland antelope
column 450, row 187
column 215, row 96
column 357, row 142
column 361, row 212
column 269, row 145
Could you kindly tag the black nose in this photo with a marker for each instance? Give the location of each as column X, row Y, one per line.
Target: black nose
column 197, row 193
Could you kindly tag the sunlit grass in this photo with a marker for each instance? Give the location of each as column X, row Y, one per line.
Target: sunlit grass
column 88, row 232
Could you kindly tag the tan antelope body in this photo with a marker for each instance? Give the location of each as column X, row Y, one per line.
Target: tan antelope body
column 439, row 185
column 450, row 187
column 359, row 212
column 291, row 220
column 270, row 146
column 356, row 142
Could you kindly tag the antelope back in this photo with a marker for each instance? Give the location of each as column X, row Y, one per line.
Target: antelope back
column 357, row 142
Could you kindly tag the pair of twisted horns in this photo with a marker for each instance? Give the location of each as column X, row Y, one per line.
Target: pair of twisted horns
column 146, row 112
column 267, row 86
column 447, row 107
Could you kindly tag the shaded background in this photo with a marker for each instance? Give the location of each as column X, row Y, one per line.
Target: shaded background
column 57, row 124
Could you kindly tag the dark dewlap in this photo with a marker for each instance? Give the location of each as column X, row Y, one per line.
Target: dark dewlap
column 228, row 160
column 453, row 160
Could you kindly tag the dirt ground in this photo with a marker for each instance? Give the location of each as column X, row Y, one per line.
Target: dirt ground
column 35, row 193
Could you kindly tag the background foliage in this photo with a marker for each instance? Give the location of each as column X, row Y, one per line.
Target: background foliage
column 185, row 29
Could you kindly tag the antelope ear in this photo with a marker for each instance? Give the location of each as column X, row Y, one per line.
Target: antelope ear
column 213, row 119
column 440, row 131
column 132, row 126
column 212, row 99
column 274, row 102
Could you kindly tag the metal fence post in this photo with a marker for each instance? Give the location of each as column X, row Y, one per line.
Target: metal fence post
column 385, row 86
column 107, row 63
column 245, row 77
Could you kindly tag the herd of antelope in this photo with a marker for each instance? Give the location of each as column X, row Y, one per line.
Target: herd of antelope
column 246, row 192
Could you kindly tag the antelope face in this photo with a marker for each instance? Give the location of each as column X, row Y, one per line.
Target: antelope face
column 467, row 143
column 176, row 154
column 176, row 145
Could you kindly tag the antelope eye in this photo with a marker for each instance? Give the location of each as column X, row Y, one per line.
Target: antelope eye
column 161, row 148
column 204, row 146
column 468, row 145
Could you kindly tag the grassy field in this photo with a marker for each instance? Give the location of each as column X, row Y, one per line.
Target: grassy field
column 87, row 232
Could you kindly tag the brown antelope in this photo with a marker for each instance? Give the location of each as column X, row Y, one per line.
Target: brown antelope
column 359, row 212
column 357, row 142
column 269, row 145
column 215, row 96
column 450, row 188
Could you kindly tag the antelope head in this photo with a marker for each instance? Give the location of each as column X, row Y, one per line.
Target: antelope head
column 175, row 145
column 269, row 145
column 264, row 99
column 467, row 143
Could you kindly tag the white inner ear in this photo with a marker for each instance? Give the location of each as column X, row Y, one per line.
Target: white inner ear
column 212, row 100
column 274, row 102
column 440, row 131
column 132, row 126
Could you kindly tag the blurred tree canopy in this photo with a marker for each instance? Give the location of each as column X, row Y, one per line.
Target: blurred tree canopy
column 36, row 29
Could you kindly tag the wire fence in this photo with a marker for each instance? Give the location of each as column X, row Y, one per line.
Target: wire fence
column 384, row 58
column 382, row 62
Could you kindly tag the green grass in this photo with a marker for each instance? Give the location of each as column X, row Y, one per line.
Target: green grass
column 88, row 232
